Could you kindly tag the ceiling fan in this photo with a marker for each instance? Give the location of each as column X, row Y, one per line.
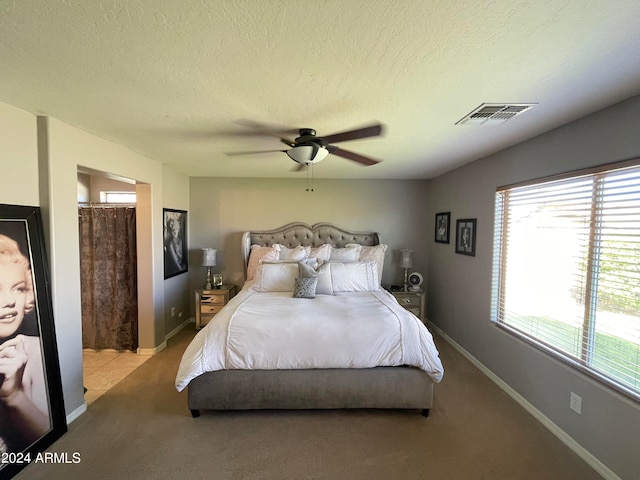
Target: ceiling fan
column 309, row 149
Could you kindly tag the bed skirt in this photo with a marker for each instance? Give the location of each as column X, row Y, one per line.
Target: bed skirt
column 379, row 387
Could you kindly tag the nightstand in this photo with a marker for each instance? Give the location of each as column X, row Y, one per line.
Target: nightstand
column 210, row 302
column 412, row 301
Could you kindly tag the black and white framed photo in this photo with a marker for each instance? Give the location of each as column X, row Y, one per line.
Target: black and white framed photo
column 466, row 236
column 443, row 220
column 32, row 413
column 175, row 242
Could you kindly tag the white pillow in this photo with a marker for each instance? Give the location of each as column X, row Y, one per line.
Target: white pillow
column 373, row 254
column 354, row 276
column 311, row 261
column 257, row 255
column 322, row 273
column 276, row 277
column 293, row 254
column 350, row 253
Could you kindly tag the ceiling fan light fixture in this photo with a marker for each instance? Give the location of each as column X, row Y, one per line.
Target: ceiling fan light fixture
column 304, row 154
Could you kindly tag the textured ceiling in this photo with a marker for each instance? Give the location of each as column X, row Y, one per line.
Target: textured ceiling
column 171, row 78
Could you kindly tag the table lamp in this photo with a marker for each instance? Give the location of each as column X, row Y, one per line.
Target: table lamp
column 208, row 260
column 406, row 262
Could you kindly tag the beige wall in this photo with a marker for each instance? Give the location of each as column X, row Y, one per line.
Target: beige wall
column 18, row 157
column 84, row 188
column 102, row 184
column 459, row 297
column 222, row 208
column 45, row 154
column 70, row 148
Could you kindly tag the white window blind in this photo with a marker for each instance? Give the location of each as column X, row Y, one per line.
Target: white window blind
column 567, row 270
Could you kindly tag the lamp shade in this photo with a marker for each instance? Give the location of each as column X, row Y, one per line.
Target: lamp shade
column 209, row 257
column 406, row 261
column 305, row 154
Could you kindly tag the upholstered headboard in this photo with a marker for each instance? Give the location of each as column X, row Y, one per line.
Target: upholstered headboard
column 297, row 233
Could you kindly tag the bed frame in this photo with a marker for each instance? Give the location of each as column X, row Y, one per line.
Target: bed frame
column 380, row 387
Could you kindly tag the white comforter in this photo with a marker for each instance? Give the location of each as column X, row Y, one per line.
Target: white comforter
column 268, row 331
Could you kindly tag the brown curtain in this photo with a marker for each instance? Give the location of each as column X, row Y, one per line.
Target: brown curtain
column 109, row 277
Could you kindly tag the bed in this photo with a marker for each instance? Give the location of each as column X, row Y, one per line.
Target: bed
column 227, row 366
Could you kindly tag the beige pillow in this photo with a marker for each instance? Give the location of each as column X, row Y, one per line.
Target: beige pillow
column 373, row 254
column 350, row 253
column 259, row 254
column 322, row 253
column 292, row 254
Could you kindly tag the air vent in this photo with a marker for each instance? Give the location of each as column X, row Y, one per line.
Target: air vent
column 494, row 113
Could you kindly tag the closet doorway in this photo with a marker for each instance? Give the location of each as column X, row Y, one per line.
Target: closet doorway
column 109, row 287
column 108, row 276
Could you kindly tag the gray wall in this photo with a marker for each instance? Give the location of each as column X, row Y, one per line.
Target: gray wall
column 177, row 295
column 223, row 208
column 459, row 294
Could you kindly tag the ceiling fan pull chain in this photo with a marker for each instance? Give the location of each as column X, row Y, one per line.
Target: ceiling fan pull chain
column 309, row 168
column 307, row 172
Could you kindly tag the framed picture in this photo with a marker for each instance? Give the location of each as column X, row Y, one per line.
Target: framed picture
column 176, row 254
column 466, row 236
column 29, row 364
column 442, row 227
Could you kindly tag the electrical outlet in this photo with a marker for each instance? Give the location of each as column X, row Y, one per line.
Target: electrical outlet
column 576, row 403
column 173, row 311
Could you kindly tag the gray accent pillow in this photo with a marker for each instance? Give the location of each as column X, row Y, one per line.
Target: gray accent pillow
column 322, row 273
column 305, row 288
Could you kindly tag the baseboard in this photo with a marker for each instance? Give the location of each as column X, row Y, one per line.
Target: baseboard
column 76, row 413
column 163, row 345
column 578, row 449
column 152, row 351
column 180, row 327
column 141, row 351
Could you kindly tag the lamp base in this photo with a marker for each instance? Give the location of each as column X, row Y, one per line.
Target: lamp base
column 207, row 282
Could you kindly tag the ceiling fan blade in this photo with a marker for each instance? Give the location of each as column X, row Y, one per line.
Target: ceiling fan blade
column 356, row 157
column 300, row 167
column 370, row 131
column 251, row 152
column 286, row 141
column 264, row 129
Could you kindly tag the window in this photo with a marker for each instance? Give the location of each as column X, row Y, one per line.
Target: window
column 118, row 197
column 567, row 270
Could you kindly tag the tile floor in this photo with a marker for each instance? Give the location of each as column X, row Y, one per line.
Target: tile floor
column 102, row 369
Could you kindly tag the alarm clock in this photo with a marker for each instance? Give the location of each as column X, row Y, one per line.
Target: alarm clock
column 415, row 280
